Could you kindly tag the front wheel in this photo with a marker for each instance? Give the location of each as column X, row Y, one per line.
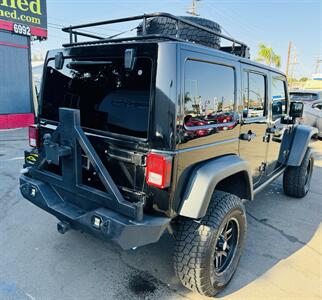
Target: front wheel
column 297, row 180
column 207, row 252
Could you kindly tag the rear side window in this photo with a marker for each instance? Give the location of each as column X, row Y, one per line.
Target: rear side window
column 317, row 106
column 109, row 98
column 279, row 98
column 254, row 95
column 209, row 95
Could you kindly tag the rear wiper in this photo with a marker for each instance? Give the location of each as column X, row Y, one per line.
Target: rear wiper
column 74, row 64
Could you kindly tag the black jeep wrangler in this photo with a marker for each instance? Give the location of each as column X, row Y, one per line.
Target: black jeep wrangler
column 169, row 130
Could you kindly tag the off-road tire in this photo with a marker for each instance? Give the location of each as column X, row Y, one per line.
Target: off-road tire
column 166, row 26
column 196, row 243
column 296, row 180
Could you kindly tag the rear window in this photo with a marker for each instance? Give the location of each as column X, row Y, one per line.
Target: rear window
column 304, row 96
column 109, row 97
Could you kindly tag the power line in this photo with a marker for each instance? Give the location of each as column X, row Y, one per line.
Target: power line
column 63, row 24
column 59, row 27
column 226, row 31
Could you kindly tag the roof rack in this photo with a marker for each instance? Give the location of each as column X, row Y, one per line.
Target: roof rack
column 237, row 47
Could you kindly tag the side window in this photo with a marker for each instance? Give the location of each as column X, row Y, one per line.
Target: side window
column 279, row 100
column 209, row 96
column 254, row 94
column 317, row 106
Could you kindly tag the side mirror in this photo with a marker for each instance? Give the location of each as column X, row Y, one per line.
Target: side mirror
column 277, row 108
column 296, row 109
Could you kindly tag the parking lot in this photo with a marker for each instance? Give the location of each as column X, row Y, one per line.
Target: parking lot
column 282, row 257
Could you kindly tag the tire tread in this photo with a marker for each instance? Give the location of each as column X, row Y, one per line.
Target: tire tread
column 294, row 178
column 193, row 243
column 167, row 26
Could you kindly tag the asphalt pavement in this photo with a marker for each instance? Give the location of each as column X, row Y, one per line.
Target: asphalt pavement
column 282, row 258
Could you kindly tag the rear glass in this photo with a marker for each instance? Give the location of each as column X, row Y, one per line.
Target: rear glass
column 304, row 96
column 109, row 97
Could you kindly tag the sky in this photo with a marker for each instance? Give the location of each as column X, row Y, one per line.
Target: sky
column 272, row 22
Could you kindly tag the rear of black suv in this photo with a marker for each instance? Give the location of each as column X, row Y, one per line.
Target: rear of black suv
column 139, row 131
column 101, row 157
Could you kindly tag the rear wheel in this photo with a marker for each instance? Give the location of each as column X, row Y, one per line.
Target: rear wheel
column 207, row 252
column 297, row 180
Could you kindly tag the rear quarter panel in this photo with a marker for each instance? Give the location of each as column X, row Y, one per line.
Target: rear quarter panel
column 224, row 142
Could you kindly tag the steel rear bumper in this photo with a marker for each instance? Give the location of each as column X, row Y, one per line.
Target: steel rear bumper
column 124, row 231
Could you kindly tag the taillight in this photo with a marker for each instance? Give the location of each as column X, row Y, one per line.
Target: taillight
column 33, row 136
column 158, row 170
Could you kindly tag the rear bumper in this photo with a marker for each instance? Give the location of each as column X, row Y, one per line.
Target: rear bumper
column 113, row 226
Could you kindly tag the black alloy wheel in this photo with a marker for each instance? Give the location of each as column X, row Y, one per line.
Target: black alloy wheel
column 226, row 245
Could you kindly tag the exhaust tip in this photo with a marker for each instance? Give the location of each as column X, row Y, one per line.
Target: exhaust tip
column 63, row 227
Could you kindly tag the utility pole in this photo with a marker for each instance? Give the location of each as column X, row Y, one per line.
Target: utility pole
column 193, row 9
column 288, row 58
column 317, row 66
column 294, row 62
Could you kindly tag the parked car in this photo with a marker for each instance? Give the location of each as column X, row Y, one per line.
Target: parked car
column 192, row 122
column 109, row 155
column 312, row 115
column 305, row 95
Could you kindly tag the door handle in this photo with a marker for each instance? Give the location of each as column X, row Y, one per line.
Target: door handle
column 247, row 136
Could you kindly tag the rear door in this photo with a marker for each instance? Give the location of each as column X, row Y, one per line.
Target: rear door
column 253, row 142
column 114, row 105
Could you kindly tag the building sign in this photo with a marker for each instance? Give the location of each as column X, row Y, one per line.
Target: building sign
column 24, row 17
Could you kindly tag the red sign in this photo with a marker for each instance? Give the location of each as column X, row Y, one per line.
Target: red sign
column 25, row 17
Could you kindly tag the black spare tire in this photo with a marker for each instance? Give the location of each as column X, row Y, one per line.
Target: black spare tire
column 167, row 26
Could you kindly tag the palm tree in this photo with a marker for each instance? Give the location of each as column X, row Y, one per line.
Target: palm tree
column 268, row 55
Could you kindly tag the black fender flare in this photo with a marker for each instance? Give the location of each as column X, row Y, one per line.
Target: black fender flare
column 301, row 138
column 203, row 181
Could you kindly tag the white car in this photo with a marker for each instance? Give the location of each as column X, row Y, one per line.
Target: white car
column 312, row 115
column 305, row 95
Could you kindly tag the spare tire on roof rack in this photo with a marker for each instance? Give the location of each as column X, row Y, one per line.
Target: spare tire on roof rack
column 167, row 26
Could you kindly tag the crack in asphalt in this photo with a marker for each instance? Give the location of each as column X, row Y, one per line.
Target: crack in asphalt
column 290, row 238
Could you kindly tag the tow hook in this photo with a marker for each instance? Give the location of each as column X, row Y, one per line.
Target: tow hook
column 63, row 227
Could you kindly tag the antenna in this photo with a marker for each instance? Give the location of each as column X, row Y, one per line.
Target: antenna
column 193, row 9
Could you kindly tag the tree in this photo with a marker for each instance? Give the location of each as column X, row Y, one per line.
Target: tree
column 267, row 55
column 304, row 79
